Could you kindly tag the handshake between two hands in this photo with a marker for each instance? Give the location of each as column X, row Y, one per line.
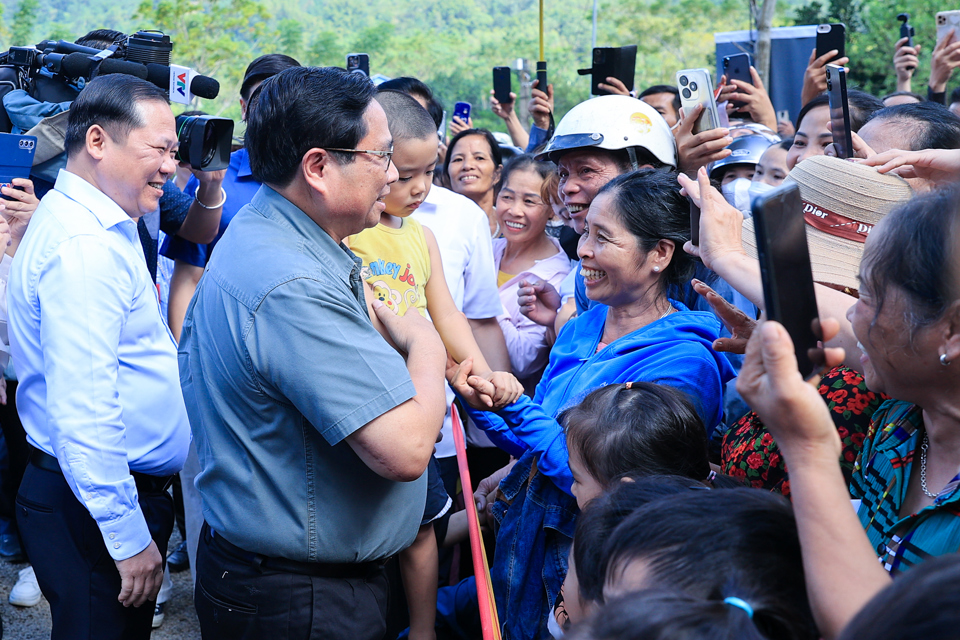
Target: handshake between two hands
column 484, row 391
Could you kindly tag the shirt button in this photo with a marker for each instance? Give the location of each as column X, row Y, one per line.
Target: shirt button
column 113, row 536
column 116, row 545
column 881, row 548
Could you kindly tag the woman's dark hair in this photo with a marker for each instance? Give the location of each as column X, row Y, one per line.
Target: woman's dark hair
column 525, row 162
column 113, row 102
column 484, row 133
column 652, row 209
column 862, row 106
column 923, row 603
column 645, row 428
column 263, row 68
column 602, row 515
column 303, row 108
column 705, row 543
column 915, row 250
column 658, row 615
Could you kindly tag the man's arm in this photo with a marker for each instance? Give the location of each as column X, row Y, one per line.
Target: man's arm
column 85, row 293
column 183, row 284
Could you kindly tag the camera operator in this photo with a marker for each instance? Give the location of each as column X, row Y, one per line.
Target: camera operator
column 99, row 392
column 196, row 219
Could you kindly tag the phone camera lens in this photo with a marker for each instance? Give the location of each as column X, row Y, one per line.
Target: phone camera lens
column 693, row 86
column 683, row 81
column 686, row 93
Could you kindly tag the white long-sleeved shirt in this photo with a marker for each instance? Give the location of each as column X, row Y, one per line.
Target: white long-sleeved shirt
column 99, row 383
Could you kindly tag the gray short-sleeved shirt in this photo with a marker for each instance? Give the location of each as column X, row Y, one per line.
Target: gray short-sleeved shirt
column 279, row 363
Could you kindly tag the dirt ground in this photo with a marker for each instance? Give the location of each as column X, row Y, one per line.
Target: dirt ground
column 33, row 623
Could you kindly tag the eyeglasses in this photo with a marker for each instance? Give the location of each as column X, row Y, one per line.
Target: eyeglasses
column 380, row 154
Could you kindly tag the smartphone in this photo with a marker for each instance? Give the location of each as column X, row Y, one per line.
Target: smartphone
column 462, row 110
column 830, row 37
column 694, row 223
column 358, row 63
column 906, row 29
column 611, row 62
column 786, row 273
column 839, row 110
column 16, row 157
column 696, row 88
column 501, row 84
column 948, row 21
column 737, row 67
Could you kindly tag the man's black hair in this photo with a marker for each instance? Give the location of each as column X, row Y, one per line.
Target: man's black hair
column 663, row 88
column 929, row 125
column 955, row 95
column 262, row 68
column 113, row 102
column 303, row 108
column 417, row 89
column 101, row 38
column 897, row 94
column 435, row 109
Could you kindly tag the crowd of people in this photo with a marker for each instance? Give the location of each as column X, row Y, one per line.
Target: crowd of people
column 271, row 356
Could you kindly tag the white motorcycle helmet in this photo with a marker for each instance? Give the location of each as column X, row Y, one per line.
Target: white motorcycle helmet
column 613, row 123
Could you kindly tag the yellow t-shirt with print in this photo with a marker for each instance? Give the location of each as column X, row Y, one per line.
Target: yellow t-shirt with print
column 396, row 263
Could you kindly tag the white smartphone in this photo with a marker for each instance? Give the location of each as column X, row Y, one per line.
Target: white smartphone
column 696, row 88
column 948, row 21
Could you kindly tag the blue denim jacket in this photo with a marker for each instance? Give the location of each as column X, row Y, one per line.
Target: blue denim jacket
column 535, row 538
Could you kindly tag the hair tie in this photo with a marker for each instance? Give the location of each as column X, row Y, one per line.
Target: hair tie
column 627, row 385
column 740, row 604
column 711, row 476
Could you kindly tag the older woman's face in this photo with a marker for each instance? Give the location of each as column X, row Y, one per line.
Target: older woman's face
column 893, row 361
column 614, row 268
column 812, row 138
column 472, row 171
column 522, row 214
column 582, row 174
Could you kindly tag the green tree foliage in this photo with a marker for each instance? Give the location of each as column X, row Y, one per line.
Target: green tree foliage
column 24, row 21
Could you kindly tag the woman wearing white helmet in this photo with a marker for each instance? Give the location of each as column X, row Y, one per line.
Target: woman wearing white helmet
column 595, row 142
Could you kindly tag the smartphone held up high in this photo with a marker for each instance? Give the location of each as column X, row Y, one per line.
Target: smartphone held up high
column 358, row 63
column 696, row 88
column 839, row 111
column 788, row 292
column 462, row 110
column 832, row 37
column 501, row 84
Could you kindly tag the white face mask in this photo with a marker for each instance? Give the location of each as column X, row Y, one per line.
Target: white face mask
column 758, row 189
column 737, row 193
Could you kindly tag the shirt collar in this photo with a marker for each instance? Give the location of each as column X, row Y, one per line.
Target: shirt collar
column 242, row 159
column 274, row 206
column 105, row 210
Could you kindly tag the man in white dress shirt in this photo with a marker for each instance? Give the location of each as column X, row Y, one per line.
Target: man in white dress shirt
column 99, row 392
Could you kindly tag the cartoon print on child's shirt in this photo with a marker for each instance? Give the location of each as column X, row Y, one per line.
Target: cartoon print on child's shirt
column 396, row 301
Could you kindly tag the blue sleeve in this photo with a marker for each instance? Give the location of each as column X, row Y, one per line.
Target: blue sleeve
column 26, row 112
column 496, row 429
column 537, row 137
column 580, row 294
column 174, row 206
column 526, row 424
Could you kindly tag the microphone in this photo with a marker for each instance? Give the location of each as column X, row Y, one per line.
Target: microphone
column 77, row 65
column 182, row 83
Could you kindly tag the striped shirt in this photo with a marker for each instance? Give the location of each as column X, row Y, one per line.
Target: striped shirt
column 880, row 479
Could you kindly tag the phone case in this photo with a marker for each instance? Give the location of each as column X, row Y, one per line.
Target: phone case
column 462, row 110
column 696, row 88
column 16, row 156
column 830, row 37
column 839, row 111
column 737, row 67
column 501, row 84
column 358, row 63
column 947, row 20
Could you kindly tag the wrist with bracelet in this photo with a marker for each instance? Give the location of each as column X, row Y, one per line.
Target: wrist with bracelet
column 223, row 200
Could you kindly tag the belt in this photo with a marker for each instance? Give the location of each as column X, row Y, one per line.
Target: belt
column 342, row 571
column 148, row 485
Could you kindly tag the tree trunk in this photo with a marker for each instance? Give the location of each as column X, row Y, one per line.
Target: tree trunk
column 763, row 40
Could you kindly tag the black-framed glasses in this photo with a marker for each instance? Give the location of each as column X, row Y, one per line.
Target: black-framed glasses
column 380, row 154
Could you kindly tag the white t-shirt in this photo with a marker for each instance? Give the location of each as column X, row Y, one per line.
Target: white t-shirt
column 463, row 235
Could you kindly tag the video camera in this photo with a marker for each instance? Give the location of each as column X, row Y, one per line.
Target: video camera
column 56, row 71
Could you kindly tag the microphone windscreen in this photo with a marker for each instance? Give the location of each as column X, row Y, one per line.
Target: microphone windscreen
column 122, row 66
column 159, row 75
column 75, row 65
column 205, row 87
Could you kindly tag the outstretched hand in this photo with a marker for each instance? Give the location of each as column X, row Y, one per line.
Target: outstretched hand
column 486, row 392
column 698, row 150
column 740, row 325
column 940, row 166
column 539, row 301
column 721, row 224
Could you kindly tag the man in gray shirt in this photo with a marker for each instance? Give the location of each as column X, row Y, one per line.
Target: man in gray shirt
column 313, row 433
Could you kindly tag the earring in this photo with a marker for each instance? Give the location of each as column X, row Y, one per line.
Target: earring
column 943, row 360
column 656, row 268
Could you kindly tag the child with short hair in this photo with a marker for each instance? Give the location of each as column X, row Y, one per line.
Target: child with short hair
column 402, row 266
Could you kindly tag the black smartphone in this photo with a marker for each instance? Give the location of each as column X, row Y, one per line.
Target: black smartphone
column 906, row 29
column 839, row 110
column 358, row 63
column 501, row 84
column 612, row 62
column 830, row 37
column 737, row 67
column 694, row 223
column 462, row 110
column 788, row 291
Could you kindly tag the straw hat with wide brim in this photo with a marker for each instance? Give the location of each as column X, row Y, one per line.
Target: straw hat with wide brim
column 850, row 189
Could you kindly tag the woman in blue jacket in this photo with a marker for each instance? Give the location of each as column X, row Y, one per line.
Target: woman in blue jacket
column 631, row 256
